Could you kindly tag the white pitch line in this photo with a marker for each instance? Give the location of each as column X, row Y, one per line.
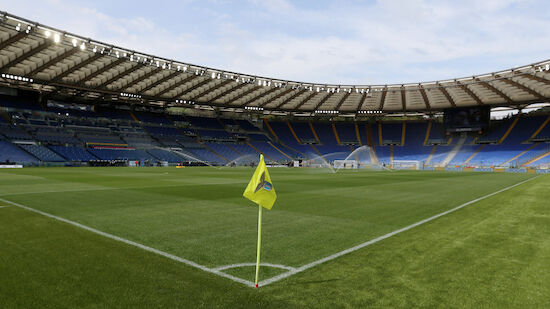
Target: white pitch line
column 224, row 267
column 4, row 206
column 372, row 241
column 135, row 244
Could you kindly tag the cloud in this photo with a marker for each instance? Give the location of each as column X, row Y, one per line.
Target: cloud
column 321, row 41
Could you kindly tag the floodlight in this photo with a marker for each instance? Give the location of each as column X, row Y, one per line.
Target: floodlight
column 56, row 38
column 47, row 33
column 74, row 42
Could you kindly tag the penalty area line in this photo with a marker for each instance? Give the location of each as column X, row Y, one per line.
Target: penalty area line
column 380, row 238
column 133, row 243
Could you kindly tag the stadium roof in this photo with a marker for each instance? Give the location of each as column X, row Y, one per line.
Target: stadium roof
column 60, row 63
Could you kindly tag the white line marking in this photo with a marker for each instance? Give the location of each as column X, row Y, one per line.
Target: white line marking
column 224, row 267
column 4, row 206
column 372, row 241
column 135, row 244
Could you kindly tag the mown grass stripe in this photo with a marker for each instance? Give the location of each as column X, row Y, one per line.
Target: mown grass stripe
column 133, row 243
column 388, row 235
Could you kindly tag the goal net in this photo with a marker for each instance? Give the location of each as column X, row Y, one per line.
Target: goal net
column 406, row 165
column 346, row 164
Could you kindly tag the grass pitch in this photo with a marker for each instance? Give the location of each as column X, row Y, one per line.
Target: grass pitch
column 488, row 254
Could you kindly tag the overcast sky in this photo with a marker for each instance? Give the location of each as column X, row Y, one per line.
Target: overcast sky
column 338, row 42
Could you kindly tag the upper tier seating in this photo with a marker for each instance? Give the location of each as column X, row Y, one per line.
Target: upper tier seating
column 205, row 123
column 247, row 126
column 12, row 132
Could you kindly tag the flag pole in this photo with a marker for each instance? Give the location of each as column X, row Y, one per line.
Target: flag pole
column 259, row 243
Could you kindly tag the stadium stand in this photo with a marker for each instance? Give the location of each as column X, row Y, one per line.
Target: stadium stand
column 30, row 134
column 42, row 153
column 11, row 153
column 73, row 153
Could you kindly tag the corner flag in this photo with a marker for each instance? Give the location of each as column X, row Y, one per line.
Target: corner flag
column 260, row 190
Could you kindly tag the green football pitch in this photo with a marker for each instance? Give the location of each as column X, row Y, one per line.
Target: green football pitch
column 493, row 252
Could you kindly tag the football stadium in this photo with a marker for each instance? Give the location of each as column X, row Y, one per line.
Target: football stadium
column 122, row 179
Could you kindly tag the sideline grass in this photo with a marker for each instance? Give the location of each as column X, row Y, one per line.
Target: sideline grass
column 349, row 279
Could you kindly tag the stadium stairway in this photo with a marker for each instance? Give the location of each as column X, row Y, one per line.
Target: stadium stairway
column 403, row 133
column 314, row 132
column 279, row 150
column 289, row 140
column 370, row 143
column 164, row 155
column 429, row 159
column 511, row 143
column 134, row 117
column 516, row 119
column 214, row 152
column 336, row 133
column 257, row 151
column 427, row 136
column 540, row 157
column 474, row 154
column 379, row 126
column 519, row 155
column 292, row 131
column 266, row 123
column 391, row 156
column 223, row 150
column 346, row 133
column 540, row 129
column 412, row 144
column 453, row 152
column 357, row 134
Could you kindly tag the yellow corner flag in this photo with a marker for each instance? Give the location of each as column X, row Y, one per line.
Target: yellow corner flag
column 260, row 190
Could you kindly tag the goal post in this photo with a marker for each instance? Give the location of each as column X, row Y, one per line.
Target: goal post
column 406, row 165
column 346, row 164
